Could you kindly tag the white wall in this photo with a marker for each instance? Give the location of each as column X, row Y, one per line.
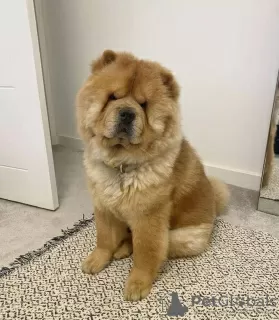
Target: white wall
column 225, row 55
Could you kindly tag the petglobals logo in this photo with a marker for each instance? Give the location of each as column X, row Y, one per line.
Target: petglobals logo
column 229, row 300
column 173, row 305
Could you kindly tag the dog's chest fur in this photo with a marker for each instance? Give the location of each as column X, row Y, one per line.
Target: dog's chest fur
column 132, row 190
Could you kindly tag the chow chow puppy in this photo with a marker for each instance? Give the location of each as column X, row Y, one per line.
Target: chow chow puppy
column 150, row 191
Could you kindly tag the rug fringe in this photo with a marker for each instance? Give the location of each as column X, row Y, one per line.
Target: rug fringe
column 29, row 256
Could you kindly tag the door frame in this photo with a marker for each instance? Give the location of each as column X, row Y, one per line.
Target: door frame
column 30, row 5
column 39, row 7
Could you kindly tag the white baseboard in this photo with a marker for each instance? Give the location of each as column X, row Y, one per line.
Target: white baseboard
column 70, row 142
column 243, row 179
column 54, row 140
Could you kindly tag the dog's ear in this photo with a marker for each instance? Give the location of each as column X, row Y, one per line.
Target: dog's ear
column 106, row 58
column 171, row 84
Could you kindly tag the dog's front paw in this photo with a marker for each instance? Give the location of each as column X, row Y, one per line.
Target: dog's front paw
column 96, row 261
column 138, row 286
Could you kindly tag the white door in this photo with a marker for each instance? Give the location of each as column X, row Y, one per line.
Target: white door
column 26, row 161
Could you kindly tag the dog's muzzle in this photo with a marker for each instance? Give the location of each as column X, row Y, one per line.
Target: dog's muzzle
column 126, row 117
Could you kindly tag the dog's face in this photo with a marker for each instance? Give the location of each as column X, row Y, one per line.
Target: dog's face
column 128, row 105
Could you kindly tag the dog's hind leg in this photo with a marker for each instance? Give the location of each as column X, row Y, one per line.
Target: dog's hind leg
column 189, row 241
column 125, row 249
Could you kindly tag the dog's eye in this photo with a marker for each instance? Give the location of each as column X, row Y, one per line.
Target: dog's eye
column 144, row 105
column 112, row 97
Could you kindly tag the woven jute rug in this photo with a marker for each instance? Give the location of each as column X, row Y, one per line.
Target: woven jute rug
column 236, row 278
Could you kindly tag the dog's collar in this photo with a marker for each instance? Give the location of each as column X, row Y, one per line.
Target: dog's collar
column 123, row 168
column 126, row 168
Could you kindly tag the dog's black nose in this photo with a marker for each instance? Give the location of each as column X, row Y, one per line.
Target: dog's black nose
column 127, row 115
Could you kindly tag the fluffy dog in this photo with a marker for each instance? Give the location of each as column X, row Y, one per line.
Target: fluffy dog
column 150, row 191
